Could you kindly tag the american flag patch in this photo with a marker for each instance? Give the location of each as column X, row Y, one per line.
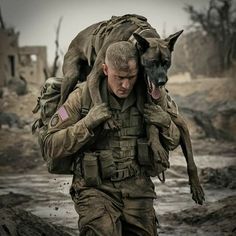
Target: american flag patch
column 63, row 113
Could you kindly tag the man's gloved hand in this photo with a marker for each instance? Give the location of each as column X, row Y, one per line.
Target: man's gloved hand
column 154, row 114
column 97, row 115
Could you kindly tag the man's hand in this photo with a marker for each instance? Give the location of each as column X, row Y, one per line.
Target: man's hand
column 97, row 115
column 154, row 114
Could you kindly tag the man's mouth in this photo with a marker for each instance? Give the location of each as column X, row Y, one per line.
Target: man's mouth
column 123, row 91
column 153, row 90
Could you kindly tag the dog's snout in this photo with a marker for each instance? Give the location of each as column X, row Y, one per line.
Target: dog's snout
column 161, row 83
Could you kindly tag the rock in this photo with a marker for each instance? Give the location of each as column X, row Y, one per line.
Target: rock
column 217, row 218
column 11, row 119
column 17, row 222
column 223, row 177
column 215, row 120
column 18, row 85
column 13, row 199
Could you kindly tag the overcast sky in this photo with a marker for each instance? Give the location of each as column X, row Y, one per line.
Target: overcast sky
column 37, row 19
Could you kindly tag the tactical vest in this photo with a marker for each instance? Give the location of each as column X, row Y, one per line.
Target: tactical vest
column 121, row 143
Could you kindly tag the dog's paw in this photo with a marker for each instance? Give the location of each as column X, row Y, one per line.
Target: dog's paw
column 197, row 193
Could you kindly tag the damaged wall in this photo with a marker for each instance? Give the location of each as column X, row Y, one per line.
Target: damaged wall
column 8, row 55
column 33, row 63
column 28, row 63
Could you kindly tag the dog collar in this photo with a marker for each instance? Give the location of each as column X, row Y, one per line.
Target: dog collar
column 137, row 31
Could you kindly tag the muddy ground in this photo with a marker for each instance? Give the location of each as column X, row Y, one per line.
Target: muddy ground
column 33, row 202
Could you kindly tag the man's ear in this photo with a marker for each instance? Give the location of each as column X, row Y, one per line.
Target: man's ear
column 104, row 68
column 142, row 44
column 172, row 39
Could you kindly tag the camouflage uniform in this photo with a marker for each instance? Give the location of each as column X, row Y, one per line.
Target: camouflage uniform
column 120, row 203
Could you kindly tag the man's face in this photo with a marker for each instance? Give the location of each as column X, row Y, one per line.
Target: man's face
column 121, row 82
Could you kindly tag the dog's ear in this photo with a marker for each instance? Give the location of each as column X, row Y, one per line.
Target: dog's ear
column 142, row 44
column 172, row 39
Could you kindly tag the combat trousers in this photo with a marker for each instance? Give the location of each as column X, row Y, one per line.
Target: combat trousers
column 103, row 215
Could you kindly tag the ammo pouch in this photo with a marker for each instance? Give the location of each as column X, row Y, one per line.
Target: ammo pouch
column 152, row 164
column 107, row 165
column 144, row 152
column 90, row 169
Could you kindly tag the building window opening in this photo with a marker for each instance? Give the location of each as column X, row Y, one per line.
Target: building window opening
column 33, row 58
column 11, row 60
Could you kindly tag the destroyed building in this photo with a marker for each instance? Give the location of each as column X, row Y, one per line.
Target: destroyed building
column 33, row 63
column 28, row 63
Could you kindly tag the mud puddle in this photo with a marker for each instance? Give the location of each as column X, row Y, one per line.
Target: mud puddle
column 51, row 199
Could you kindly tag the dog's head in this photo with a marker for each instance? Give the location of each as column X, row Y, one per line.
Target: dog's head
column 155, row 58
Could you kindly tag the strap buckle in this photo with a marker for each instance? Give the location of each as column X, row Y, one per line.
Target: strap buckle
column 121, row 175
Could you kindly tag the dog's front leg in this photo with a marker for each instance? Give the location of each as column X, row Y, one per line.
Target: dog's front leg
column 185, row 142
column 94, row 79
column 71, row 69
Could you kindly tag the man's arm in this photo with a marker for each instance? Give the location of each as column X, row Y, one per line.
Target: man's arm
column 169, row 132
column 170, row 136
column 68, row 132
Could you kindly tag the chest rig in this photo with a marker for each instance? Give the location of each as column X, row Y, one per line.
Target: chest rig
column 121, row 143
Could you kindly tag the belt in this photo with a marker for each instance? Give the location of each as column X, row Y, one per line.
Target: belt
column 131, row 170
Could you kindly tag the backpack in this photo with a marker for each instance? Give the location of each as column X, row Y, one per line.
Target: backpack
column 47, row 102
column 47, row 105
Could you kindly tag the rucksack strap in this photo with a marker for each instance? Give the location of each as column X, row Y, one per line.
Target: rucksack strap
column 163, row 179
column 86, row 101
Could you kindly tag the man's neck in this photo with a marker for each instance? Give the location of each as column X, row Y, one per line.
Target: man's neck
column 120, row 100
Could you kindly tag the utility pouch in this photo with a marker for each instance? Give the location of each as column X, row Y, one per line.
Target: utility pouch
column 90, row 169
column 107, row 164
column 144, row 154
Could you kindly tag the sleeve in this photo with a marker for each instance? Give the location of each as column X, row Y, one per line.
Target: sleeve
column 171, row 135
column 67, row 132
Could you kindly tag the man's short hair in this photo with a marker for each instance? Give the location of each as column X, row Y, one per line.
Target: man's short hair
column 118, row 54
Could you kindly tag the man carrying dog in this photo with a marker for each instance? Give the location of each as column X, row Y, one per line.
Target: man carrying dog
column 111, row 189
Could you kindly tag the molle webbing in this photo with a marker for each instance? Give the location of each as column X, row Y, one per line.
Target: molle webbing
column 123, row 142
column 107, row 26
column 86, row 101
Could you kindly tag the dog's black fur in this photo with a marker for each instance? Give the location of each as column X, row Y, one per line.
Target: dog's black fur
column 86, row 54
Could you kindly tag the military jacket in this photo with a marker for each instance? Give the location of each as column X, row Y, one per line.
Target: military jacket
column 67, row 134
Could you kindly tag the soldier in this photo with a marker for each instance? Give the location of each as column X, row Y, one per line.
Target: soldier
column 112, row 192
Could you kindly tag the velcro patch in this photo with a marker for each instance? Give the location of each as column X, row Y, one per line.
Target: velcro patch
column 63, row 113
column 54, row 120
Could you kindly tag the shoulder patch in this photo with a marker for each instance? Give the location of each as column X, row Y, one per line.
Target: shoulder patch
column 63, row 113
column 54, row 120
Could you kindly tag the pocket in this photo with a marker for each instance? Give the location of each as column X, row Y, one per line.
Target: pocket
column 90, row 170
column 88, row 214
column 106, row 163
column 144, row 154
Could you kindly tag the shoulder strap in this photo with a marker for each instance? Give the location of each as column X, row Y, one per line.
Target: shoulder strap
column 86, row 101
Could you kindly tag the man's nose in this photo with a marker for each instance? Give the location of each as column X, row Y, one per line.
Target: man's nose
column 126, row 84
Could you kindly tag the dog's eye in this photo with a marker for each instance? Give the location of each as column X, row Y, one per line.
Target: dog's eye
column 166, row 63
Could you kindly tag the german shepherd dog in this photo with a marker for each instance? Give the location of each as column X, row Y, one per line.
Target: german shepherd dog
column 86, row 54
